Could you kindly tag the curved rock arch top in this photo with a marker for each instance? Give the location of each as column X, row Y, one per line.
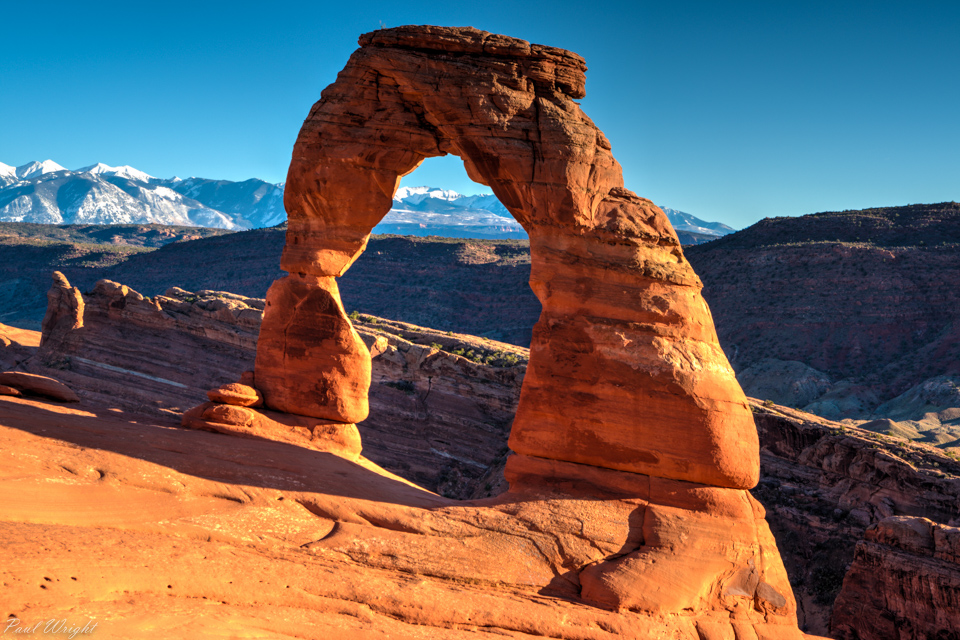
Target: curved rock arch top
column 625, row 370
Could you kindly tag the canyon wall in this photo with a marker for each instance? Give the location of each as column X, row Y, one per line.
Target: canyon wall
column 904, row 583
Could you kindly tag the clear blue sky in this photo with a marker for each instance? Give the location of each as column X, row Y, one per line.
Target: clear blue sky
column 730, row 111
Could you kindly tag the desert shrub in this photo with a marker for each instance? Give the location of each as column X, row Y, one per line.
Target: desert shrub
column 405, row 386
column 826, row 582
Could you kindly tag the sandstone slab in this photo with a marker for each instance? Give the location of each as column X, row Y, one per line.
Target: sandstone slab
column 237, row 394
column 38, row 385
column 320, row 435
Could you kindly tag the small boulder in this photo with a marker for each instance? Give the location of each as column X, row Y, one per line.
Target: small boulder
column 32, row 384
column 237, row 394
column 8, row 391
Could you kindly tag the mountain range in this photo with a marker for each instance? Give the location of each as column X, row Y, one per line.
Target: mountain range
column 48, row 193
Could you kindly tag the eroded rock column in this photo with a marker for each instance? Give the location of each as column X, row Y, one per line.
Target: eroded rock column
column 310, row 360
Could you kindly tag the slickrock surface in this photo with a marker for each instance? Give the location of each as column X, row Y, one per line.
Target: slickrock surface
column 904, row 583
column 147, row 528
column 442, row 405
column 628, row 402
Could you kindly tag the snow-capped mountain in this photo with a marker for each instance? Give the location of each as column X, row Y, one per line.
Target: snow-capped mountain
column 422, row 211
column 125, row 171
column 414, row 195
column 685, row 222
column 8, row 174
column 251, row 204
column 45, row 192
column 35, row 169
column 433, row 199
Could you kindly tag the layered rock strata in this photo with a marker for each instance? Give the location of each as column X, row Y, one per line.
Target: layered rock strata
column 824, row 483
column 441, row 408
column 441, row 404
column 628, row 399
column 904, row 583
column 122, row 349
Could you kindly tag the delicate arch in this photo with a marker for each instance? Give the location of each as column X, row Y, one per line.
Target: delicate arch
column 625, row 369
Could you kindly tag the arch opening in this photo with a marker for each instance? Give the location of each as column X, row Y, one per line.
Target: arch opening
column 438, row 198
column 448, row 352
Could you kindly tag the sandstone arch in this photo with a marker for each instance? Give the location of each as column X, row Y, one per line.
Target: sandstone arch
column 626, row 371
column 634, row 443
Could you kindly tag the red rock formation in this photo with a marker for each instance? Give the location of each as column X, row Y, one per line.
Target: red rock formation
column 627, row 396
column 824, row 483
column 437, row 418
column 441, row 420
column 130, row 351
column 64, row 309
column 622, row 308
column 139, row 525
column 237, row 394
column 321, row 435
column 310, row 361
column 37, row 385
column 904, row 583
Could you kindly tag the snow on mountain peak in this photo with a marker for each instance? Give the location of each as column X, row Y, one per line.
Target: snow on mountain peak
column 124, row 171
column 417, row 194
column 34, row 169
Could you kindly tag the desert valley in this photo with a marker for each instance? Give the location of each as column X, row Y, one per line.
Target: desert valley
column 590, row 418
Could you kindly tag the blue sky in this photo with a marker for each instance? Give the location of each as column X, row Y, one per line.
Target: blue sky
column 732, row 111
